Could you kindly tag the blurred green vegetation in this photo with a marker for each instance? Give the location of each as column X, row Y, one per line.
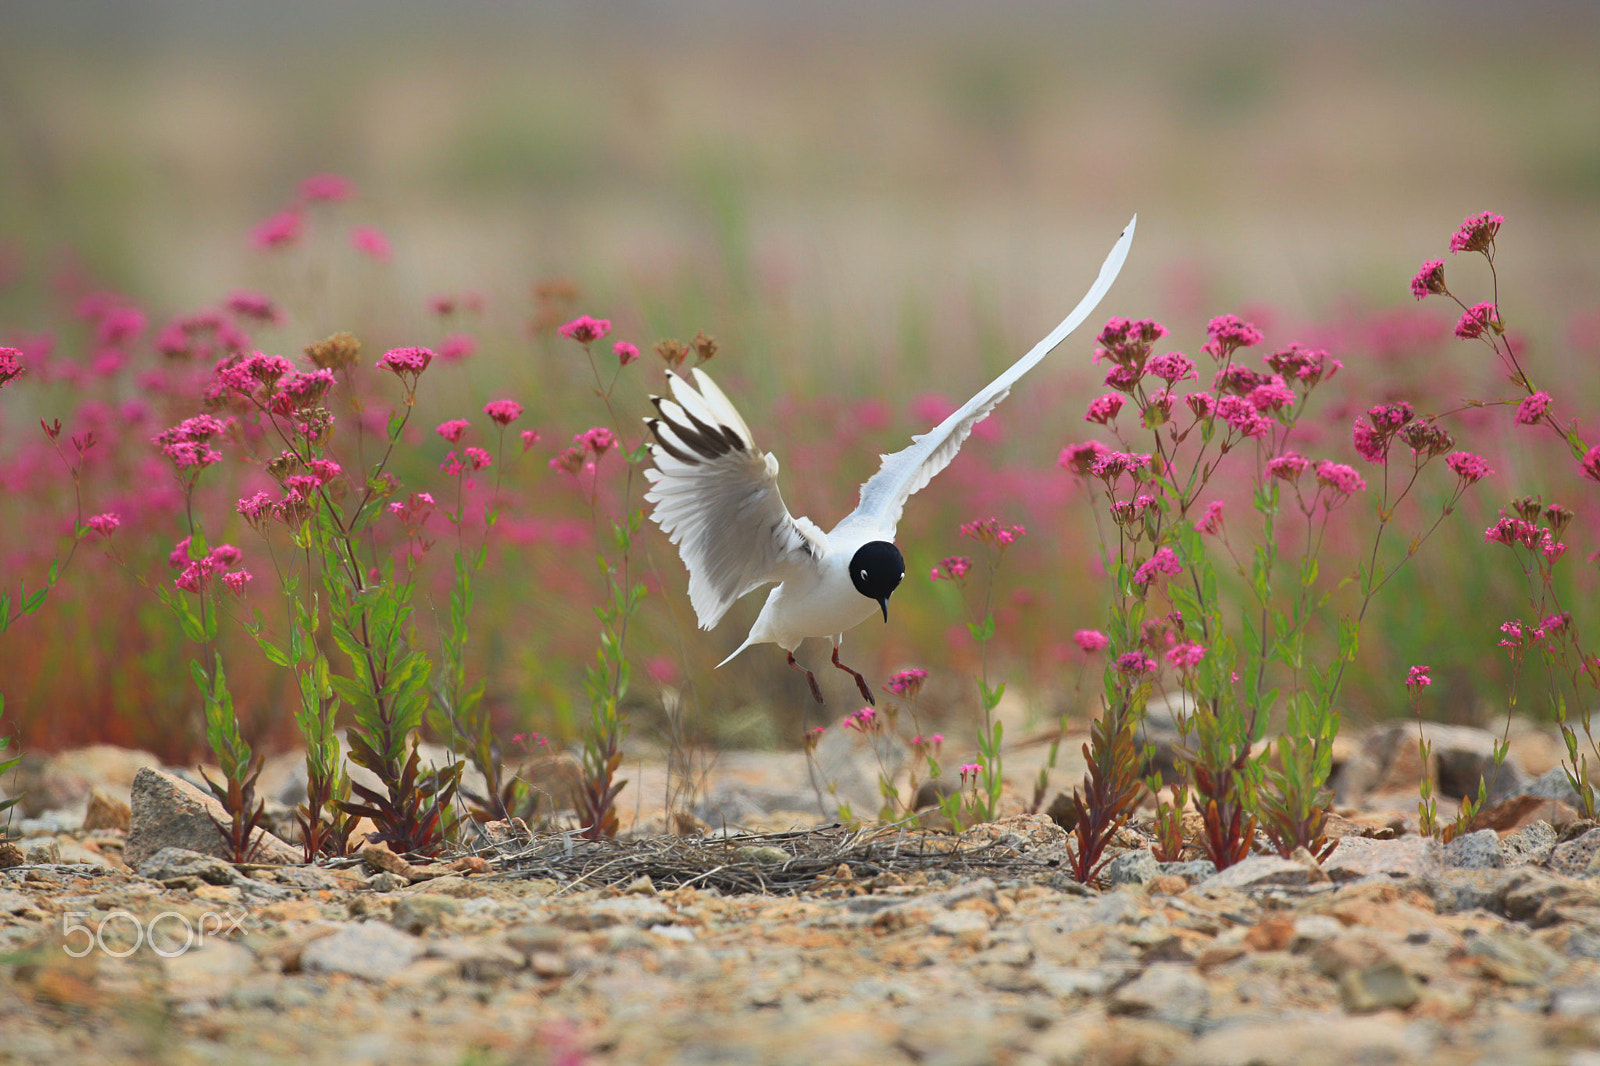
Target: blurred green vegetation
column 863, row 208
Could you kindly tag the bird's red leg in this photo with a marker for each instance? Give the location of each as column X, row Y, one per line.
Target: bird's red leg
column 816, row 689
column 861, row 682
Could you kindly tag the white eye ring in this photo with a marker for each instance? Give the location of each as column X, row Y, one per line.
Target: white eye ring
column 863, row 575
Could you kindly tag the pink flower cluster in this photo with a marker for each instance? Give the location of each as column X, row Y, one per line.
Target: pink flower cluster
column 1341, row 479
column 1104, row 409
column 991, row 532
column 1164, row 561
column 1417, row 677
column 907, row 683
column 1514, row 532
column 1080, row 459
column 187, row 444
column 503, row 412
column 1430, row 279
column 951, row 568
column 1476, row 319
column 1210, row 523
column 10, row 365
column 406, row 362
column 1306, row 365
column 197, row 573
column 863, row 721
column 1110, row 466
column 1172, row 367
column 1185, row 656
column 104, row 524
column 1090, row 641
column 1468, row 467
column 970, row 772
column 413, row 511
column 1476, row 233
column 1134, row 663
column 586, row 330
column 1229, row 333
column 1532, row 409
column 453, row 429
column 595, row 441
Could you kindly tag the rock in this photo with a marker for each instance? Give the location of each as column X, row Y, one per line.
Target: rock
column 1475, row 851
column 1515, row 960
column 64, row 780
column 1464, row 890
column 1260, row 871
column 1167, row 992
column 767, row 855
column 181, row 864
column 106, row 811
column 1530, row 845
column 10, row 855
column 1388, row 761
column 1132, row 867
column 1542, row 897
column 40, row 852
column 1519, row 811
column 374, row 951
column 1369, row 978
column 1552, row 785
column 1577, row 858
column 1408, row 856
column 210, row 970
column 417, row 913
column 170, row 812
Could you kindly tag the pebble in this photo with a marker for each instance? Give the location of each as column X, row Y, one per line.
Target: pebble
column 370, row 950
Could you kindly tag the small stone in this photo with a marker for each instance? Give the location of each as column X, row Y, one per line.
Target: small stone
column 969, row 928
column 1312, row 929
column 208, row 971
column 1132, row 867
column 549, row 964
column 1475, row 851
column 374, row 951
column 1194, row 871
column 1167, row 992
column 1530, row 845
column 106, row 811
column 386, row 882
column 1409, row 856
column 41, row 852
column 1513, row 959
column 536, row 937
column 1259, row 871
column 417, row 913
column 1576, row 858
column 641, row 886
column 10, row 855
column 1384, row 984
column 1464, row 890
column 181, row 864
column 767, row 855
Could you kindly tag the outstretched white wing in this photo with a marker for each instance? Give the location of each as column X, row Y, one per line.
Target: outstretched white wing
column 884, row 495
column 716, row 497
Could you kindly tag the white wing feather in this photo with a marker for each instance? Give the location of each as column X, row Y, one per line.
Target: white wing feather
column 716, row 497
column 903, row 473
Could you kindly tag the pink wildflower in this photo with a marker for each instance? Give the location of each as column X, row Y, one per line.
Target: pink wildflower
column 406, row 362
column 1591, row 463
column 1112, row 465
column 1172, row 367
column 1468, row 467
column 1228, row 333
column 1305, row 365
column 1104, row 409
column 529, row 439
column 586, row 330
column 1370, row 444
column 457, row 346
column 1243, row 417
column 1203, row 404
column 279, row 230
column 504, row 412
column 1090, row 641
column 1185, row 656
column 1430, row 279
column 452, row 430
column 1477, row 318
column 598, row 440
column 1135, row 663
column 104, row 524
column 480, row 458
column 952, row 568
column 236, row 580
column 1417, row 677
column 324, row 470
column 862, row 721
column 1532, row 409
column 1211, row 521
column 1342, row 479
column 330, row 187
column 187, row 443
column 1272, row 395
column 625, row 352
column 1476, row 233
column 451, row 465
column 10, row 364
column 1164, row 561
column 569, row 460
column 1288, row 466
column 1080, row 458
column 907, row 683
column 254, row 305
column 971, row 771
column 991, row 532
column 255, row 508
column 369, row 240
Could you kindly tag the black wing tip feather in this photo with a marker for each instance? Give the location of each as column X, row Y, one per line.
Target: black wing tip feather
column 708, row 442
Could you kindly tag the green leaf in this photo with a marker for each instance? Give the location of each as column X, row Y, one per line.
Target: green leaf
column 35, row 601
column 273, row 653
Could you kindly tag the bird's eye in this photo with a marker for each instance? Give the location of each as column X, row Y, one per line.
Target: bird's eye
column 863, row 575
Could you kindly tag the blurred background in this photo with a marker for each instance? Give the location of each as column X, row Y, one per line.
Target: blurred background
column 873, row 209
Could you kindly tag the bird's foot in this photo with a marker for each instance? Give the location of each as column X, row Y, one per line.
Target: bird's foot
column 816, row 689
column 861, row 682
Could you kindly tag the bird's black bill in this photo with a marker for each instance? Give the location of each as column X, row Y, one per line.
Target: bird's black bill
column 883, row 601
